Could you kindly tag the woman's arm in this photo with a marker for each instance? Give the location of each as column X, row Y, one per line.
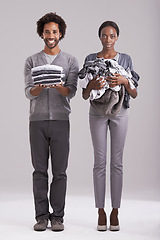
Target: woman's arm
column 95, row 84
column 131, row 92
column 118, row 80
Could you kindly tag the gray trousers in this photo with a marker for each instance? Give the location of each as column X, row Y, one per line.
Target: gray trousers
column 118, row 128
column 49, row 138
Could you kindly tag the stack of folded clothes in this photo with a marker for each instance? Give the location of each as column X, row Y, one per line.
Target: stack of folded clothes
column 47, row 75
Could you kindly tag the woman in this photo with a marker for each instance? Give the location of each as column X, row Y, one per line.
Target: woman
column 100, row 121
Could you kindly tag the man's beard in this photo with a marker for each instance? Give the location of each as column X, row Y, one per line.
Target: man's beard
column 51, row 46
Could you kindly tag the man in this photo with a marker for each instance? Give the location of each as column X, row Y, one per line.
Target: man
column 49, row 119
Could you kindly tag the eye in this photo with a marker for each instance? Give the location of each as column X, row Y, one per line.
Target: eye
column 112, row 36
column 103, row 36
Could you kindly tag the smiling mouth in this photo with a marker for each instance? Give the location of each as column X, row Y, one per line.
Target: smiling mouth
column 108, row 45
column 51, row 41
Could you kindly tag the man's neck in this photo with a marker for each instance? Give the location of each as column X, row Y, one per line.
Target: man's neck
column 53, row 51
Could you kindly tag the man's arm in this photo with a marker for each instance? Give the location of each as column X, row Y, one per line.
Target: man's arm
column 30, row 90
column 35, row 91
column 64, row 91
column 70, row 87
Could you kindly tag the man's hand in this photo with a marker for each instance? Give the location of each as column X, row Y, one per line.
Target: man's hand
column 64, row 91
column 36, row 90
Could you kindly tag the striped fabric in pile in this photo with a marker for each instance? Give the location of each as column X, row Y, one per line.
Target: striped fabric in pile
column 47, row 74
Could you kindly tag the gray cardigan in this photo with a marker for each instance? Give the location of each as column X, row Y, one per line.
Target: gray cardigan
column 50, row 104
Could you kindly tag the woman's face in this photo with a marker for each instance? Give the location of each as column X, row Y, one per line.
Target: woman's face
column 108, row 37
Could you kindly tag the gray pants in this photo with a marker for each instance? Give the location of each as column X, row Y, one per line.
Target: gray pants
column 49, row 138
column 118, row 129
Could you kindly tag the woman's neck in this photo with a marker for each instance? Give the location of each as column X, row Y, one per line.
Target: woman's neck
column 107, row 54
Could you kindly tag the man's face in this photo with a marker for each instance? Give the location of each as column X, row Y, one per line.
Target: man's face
column 51, row 34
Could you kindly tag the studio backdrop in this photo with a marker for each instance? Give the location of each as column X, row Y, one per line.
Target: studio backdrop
column 139, row 37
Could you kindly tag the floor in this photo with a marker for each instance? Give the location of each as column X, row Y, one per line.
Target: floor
column 139, row 220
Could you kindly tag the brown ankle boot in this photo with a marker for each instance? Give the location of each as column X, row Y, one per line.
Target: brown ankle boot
column 114, row 222
column 102, row 220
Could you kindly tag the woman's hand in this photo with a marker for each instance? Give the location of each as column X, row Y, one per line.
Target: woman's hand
column 95, row 84
column 118, row 79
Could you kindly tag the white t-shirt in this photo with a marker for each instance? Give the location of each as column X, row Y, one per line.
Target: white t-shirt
column 49, row 58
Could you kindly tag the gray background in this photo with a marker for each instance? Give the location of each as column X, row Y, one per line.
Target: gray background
column 139, row 37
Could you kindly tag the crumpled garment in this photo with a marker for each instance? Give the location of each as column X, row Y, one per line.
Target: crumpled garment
column 110, row 102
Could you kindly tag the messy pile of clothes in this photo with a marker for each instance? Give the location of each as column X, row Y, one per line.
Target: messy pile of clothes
column 107, row 100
